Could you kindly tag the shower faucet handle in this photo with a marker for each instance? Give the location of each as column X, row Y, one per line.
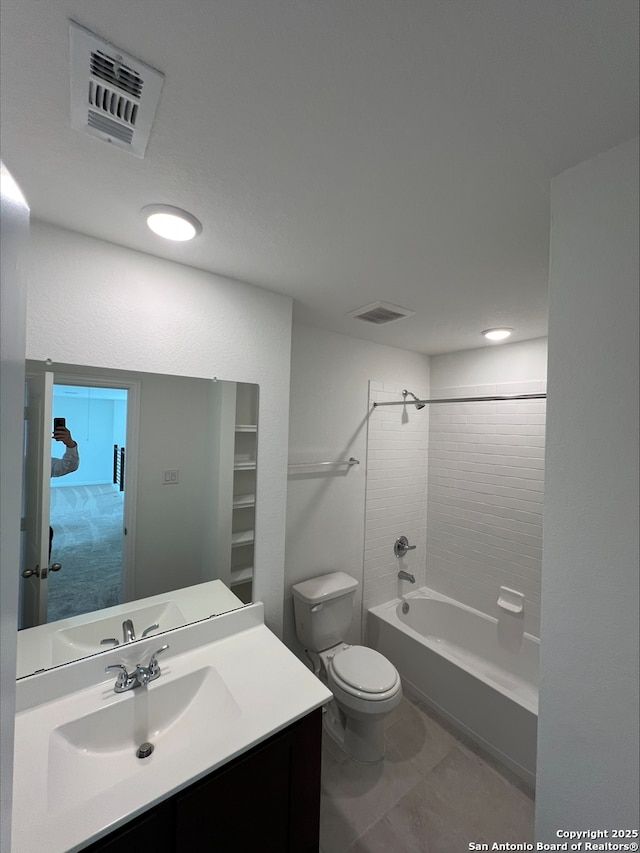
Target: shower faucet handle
column 401, row 546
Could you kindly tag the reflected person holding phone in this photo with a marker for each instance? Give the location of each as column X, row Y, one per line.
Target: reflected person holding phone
column 69, row 462
column 71, row 459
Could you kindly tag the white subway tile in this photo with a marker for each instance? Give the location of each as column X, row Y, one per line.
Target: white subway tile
column 469, row 477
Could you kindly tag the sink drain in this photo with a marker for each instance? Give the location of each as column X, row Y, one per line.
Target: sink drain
column 144, row 750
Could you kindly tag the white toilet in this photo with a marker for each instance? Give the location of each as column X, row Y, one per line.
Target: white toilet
column 365, row 685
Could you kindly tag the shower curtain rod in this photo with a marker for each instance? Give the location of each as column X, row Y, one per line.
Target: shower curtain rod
column 464, row 400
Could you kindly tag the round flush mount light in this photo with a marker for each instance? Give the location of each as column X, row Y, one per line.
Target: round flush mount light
column 171, row 222
column 499, row 334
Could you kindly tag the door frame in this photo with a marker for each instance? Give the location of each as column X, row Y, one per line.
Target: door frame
column 35, row 512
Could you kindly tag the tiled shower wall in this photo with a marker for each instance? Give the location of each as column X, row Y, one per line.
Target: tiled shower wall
column 484, row 509
column 464, row 482
column 396, row 493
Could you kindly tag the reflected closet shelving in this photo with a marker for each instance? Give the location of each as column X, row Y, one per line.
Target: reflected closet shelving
column 238, row 425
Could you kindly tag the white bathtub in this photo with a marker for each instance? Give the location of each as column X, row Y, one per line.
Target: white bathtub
column 478, row 672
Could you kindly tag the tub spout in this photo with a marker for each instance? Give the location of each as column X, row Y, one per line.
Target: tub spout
column 405, row 576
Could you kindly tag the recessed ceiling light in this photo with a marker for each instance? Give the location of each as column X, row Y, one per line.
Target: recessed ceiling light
column 499, row 334
column 171, row 222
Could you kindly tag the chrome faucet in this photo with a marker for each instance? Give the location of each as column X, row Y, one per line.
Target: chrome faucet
column 128, row 633
column 139, row 677
column 405, row 576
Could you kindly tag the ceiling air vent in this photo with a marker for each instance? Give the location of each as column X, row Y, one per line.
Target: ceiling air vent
column 380, row 313
column 114, row 96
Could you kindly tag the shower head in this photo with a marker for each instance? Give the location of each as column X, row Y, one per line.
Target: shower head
column 418, row 404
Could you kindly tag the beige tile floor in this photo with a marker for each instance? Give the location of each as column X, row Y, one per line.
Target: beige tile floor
column 435, row 792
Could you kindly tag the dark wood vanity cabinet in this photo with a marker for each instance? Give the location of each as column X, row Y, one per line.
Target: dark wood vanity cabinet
column 267, row 799
column 149, row 832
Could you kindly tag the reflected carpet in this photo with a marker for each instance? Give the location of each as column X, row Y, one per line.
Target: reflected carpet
column 88, row 523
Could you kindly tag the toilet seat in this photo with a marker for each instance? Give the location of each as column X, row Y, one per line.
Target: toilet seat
column 363, row 673
column 364, row 669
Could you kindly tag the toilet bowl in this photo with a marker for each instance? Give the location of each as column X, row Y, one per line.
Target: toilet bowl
column 365, row 685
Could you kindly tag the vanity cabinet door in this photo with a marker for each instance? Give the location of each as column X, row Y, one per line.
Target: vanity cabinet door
column 245, row 807
column 267, row 800
column 149, row 833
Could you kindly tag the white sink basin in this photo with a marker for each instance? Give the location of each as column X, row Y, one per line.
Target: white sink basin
column 84, row 639
column 91, row 754
column 226, row 684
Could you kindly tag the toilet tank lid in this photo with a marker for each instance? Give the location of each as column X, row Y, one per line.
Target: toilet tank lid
column 325, row 587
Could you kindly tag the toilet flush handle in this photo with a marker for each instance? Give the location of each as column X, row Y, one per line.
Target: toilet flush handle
column 316, row 607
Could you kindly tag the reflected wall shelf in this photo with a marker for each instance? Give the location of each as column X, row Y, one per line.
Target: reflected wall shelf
column 242, row 537
column 244, row 488
column 244, row 501
column 239, row 576
column 235, row 419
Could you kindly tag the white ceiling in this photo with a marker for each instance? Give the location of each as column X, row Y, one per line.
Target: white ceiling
column 338, row 151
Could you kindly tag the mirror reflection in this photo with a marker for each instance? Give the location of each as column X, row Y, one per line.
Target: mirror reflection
column 155, row 492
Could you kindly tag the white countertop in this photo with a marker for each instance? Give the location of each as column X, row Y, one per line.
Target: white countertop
column 265, row 688
column 54, row 643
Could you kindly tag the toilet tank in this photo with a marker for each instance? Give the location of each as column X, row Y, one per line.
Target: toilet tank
column 323, row 610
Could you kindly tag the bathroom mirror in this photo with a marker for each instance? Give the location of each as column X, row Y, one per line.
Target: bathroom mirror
column 163, row 497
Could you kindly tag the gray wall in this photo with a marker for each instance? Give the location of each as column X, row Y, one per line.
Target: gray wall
column 497, row 363
column 588, row 729
column 171, row 521
column 13, row 235
column 94, row 303
column 330, row 376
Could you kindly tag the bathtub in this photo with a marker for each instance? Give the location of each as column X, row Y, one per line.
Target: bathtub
column 478, row 672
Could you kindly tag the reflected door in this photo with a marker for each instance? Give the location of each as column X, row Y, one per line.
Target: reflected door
column 35, row 551
column 88, row 504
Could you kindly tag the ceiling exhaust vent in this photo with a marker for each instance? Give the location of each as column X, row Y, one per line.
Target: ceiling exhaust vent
column 114, row 96
column 380, row 313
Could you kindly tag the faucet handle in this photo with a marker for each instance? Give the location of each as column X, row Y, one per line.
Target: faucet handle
column 153, row 667
column 149, row 629
column 123, row 680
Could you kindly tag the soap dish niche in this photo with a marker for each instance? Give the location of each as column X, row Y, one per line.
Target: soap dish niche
column 511, row 600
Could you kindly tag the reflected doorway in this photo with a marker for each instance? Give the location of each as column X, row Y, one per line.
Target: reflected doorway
column 87, row 505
